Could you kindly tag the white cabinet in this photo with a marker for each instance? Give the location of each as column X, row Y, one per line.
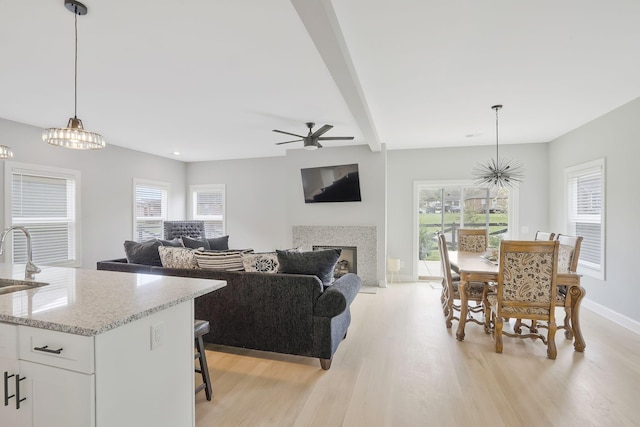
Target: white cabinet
column 117, row 378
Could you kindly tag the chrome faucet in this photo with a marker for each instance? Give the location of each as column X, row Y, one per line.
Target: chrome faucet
column 30, row 269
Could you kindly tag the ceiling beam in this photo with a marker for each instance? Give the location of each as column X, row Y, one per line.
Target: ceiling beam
column 321, row 23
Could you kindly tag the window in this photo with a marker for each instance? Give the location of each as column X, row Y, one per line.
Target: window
column 585, row 208
column 208, row 204
column 46, row 201
column 150, row 206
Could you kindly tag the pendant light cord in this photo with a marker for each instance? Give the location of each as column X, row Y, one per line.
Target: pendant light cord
column 497, row 158
column 75, row 75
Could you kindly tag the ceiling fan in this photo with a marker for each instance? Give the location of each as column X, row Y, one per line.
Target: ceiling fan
column 311, row 140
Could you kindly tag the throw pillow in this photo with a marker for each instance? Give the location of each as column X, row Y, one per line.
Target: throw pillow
column 261, row 262
column 221, row 260
column 176, row 243
column 189, row 242
column 173, row 257
column 219, row 243
column 318, row 263
column 145, row 253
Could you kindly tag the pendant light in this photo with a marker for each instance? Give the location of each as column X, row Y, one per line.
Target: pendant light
column 5, row 152
column 74, row 136
column 498, row 172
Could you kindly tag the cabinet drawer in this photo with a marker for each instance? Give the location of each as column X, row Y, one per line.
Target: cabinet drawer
column 8, row 341
column 67, row 351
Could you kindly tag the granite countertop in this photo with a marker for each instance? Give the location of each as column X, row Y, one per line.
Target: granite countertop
column 90, row 302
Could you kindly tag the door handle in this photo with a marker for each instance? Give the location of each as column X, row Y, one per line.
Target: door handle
column 18, row 400
column 6, row 388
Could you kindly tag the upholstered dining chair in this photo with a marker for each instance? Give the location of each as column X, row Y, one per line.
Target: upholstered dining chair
column 450, row 281
column 473, row 239
column 526, row 289
column 544, row 235
column 568, row 254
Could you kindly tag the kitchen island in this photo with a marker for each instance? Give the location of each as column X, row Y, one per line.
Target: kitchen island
column 98, row 348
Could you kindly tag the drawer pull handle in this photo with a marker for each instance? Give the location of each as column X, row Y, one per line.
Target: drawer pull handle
column 46, row 349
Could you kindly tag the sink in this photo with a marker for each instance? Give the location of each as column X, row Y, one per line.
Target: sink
column 15, row 285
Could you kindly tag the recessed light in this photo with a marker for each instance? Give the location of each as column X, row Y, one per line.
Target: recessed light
column 176, row 153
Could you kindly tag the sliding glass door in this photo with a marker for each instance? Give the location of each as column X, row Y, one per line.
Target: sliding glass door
column 447, row 208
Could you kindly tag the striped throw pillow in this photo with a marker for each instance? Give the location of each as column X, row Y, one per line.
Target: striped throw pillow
column 229, row 260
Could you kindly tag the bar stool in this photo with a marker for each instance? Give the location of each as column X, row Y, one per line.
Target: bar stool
column 201, row 327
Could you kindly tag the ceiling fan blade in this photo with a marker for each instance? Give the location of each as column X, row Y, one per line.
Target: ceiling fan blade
column 288, row 142
column 336, row 138
column 288, row 133
column 318, row 144
column 321, row 131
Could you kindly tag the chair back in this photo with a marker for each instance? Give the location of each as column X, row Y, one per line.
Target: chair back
column 473, row 239
column 193, row 229
column 527, row 279
column 447, row 279
column 569, row 252
column 543, row 235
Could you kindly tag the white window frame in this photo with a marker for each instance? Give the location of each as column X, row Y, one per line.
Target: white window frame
column 75, row 227
column 165, row 187
column 221, row 188
column 592, row 269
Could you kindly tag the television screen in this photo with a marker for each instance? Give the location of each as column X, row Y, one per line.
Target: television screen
column 331, row 184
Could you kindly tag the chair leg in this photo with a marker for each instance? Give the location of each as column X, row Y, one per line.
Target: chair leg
column 498, row 332
column 204, row 368
column 325, row 364
column 568, row 330
column 551, row 341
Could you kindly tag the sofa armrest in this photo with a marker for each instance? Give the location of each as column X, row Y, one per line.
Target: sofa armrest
column 337, row 297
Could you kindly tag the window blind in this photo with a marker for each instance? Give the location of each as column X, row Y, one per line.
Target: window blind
column 209, row 206
column 150, row 211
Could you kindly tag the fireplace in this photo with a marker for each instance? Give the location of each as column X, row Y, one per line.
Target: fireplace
column 348, row 261
column 362, row 237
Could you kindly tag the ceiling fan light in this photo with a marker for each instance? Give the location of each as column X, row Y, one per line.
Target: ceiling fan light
column 310, row 147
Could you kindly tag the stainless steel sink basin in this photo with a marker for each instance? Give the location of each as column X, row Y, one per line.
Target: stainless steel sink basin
column 14, row 285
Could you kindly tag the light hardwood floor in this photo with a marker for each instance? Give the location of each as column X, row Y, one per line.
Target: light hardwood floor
column 400, row 366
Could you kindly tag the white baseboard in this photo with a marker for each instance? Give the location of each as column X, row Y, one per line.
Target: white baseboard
column 614, row 316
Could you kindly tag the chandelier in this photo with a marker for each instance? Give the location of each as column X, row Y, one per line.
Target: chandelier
column 5, row 152
column 498, row 172
column 74, row 136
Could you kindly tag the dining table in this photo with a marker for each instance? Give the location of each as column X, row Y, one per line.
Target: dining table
column 476, row 267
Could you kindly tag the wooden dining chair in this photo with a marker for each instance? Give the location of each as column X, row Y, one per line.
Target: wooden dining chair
column 450, row 293
column 526, row 290
column 473, row 239
column 568, row 255
column 544, row 235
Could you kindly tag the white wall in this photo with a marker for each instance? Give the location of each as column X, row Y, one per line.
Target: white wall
column 106, row 186
column 616, row 137
column 443, row 164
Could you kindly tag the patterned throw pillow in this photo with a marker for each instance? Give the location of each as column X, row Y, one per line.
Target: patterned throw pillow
column 261, row 262
column 230, row 260
column 173, row 257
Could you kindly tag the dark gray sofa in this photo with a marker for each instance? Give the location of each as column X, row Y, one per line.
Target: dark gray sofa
column 283, row 313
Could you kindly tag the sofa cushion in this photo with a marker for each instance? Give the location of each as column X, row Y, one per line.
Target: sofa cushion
column 173, row 257
column 189, row 242
column 219, row 243
column 266, row 262
column 176, row 243
column 145, row 253
column 318, row 263
column 230, row 260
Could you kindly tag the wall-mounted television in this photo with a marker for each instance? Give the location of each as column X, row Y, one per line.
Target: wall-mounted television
column 338, row 183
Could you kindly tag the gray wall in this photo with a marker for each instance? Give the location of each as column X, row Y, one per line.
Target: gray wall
column 265, row 198
column 450, row 164
column 106, row 185
column 615, row 137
